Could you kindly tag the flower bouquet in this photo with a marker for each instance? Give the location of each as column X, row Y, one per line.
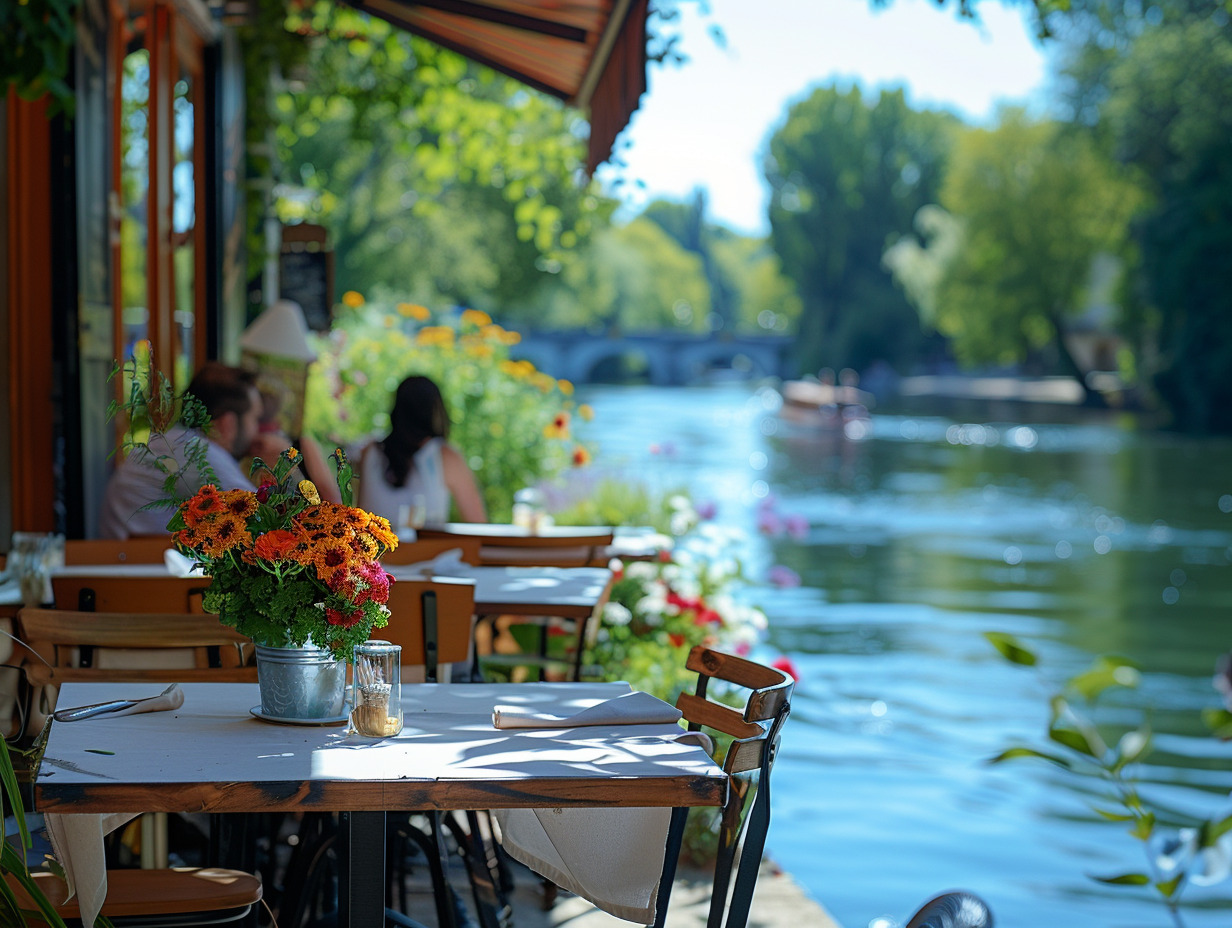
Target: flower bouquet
column 289, row 569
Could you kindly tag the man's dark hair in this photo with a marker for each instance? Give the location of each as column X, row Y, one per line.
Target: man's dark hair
column 222, row 389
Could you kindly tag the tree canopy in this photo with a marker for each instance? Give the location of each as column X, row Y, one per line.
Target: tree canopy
column 847, row 178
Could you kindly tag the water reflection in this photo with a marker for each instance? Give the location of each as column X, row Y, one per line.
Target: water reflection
column 1079, row 535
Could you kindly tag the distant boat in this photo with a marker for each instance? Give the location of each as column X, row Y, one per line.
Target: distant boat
column 823, row 405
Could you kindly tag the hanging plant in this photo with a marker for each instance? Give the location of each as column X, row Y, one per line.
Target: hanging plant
column 35, row 57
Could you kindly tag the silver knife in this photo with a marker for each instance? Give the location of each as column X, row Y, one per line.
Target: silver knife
column 77, row 713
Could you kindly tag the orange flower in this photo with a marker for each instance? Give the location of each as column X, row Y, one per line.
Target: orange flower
column 476, row 317
column 331, row 557
column 581, row 457
column 276, row 545
column 565, row 387
column 353, row 299
column 224, row 533
column 238, row 503
column 412, row 311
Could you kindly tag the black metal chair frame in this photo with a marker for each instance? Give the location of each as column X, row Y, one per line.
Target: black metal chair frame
column 742, row 837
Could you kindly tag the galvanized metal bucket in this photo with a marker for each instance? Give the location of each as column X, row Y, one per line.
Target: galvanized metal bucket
column 301, row 683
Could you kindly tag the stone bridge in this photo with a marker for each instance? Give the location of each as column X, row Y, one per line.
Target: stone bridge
column 668, row 359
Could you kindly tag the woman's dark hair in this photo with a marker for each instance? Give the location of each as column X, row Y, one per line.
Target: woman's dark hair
column 418, row 414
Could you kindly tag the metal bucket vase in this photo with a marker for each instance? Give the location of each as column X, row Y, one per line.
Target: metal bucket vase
column 300, row 683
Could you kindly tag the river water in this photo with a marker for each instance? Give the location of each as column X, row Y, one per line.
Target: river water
column 1078, row 534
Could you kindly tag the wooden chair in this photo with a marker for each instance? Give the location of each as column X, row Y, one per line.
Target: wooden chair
column 106, row 593
column 60, row 637
column 563, row 547
column 432, row 620
column 166, row 898
column 425, row 549
column 137, row 550
column 745, row 818
column 58, row 640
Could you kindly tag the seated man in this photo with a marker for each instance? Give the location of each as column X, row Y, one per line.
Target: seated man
column 230, row 396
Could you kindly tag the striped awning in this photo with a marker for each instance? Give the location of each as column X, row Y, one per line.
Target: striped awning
column 589, row 53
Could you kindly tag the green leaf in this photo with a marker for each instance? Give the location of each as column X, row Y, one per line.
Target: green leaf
column 1125, row 879
column 1105, row 673
column 1114, row 816
column 1215, row 830
column 1219, row 721
column 1168, row 888
column 1144, row 827
column 1073, row 739
column 1017, row 752
column 1011, row 649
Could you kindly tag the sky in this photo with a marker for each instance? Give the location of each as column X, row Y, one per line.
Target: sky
column 706, row 123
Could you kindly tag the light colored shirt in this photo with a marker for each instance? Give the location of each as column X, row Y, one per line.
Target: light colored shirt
column 426, row 479
column 138, row 481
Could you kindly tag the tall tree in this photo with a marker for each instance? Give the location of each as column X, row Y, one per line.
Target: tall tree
column 1035, row 206
column 847, row 178
column 1170, row 113
column 436, row 177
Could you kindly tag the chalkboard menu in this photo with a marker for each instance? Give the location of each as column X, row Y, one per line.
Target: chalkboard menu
column 306, row 273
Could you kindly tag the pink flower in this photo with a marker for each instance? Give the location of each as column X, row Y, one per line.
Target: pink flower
column 769, row 523
column 782, row 576
column 784, row 664
column 797, row 527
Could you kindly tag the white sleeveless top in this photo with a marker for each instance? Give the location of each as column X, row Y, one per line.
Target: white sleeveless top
column 426, row 479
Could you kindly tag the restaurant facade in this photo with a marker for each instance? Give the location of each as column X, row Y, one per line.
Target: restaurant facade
column 122, row 215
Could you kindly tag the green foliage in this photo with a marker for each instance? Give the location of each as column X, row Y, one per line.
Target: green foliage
column 847, row 178
column 1200, row 854
column 36, row 54
column 1036, row 205
column 510, row 421
column 1169, row 113
column 436, row 177
column 13, row 857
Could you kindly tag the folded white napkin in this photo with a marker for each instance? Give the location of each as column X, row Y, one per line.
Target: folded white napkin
column 77, row 840
column 180, row 566
column 630, row 709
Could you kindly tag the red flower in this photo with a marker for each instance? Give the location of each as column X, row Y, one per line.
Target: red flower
column 676, row 639
column 345, row 619
column 784, row 664
column 265, row 491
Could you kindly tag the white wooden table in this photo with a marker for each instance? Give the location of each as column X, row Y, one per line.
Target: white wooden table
column 211, row 755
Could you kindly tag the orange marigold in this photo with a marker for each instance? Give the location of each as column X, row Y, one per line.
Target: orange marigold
column 581, row 457
column 330, row 557
column 224, row 533
column 238, row 503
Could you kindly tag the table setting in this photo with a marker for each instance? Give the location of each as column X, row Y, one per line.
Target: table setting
column 586, row 759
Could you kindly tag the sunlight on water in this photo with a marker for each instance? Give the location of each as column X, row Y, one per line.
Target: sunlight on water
column 1080, row 537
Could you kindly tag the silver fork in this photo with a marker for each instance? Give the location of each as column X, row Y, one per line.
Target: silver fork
column 78, row 713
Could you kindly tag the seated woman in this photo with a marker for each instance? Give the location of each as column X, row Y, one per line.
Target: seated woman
column 415, row 466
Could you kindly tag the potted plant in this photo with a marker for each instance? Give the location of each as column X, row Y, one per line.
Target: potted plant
column 298, row 575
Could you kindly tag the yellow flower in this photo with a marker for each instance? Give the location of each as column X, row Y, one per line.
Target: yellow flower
column 353, row 299
column 434, row 335
column 308, row 490
column 586, row 411
column 512, row 368
column 413, row 311
column 565, row 387
column 545, row 382
column 476, row 317
column 511, row 338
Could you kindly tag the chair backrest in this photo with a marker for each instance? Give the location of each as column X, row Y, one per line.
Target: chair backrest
column 748, row 760
column 105, row 593
column 116, row 647
column 500, row 547
column 425, row 549
column 432, row 620
column 138, row 550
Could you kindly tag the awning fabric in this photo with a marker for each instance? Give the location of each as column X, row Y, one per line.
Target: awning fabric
column 589, row 53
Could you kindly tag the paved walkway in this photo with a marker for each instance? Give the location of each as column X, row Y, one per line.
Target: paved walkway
column 778, row 902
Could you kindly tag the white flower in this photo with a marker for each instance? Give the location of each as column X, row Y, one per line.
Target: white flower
column 1212, row 864
column 617, row 614
column 641, row 570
